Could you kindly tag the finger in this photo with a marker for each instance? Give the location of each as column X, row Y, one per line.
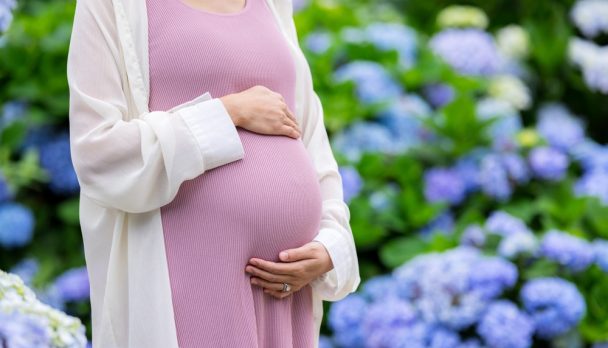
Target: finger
column 290, row 114
column 290, row 131
column 274, row 267
column 271, row 277
column 291, row 123
column 266, row 284
column 278, row 294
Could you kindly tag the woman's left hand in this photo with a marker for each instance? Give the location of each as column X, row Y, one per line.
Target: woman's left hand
column 301, row 266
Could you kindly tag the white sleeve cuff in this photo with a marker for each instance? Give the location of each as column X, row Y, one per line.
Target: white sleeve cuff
column 330, row 284
column 214, row 131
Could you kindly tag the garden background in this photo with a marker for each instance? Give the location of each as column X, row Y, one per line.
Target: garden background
column 471, row 138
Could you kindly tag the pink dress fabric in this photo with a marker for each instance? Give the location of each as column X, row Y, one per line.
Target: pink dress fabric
column 266, row 202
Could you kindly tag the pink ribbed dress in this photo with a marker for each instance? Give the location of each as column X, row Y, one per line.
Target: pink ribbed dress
column 254, row 207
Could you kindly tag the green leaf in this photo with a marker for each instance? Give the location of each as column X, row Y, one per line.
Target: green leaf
column 400, row 250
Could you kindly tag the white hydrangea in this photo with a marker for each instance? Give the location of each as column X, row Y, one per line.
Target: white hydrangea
column 513, row 41
column 65, row 331
column 590, row 16
column 462, row 16
column 512, row 90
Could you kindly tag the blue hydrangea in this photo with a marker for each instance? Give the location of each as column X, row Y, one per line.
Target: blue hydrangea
column 441, row 337
column 394, row 36
column 548, row 163
column 17, row 223
column 345, row 318
column 6, row 192
column 600, row 252
column 299, row 5
column 37, row 136
column 19, row 330
column 325, row 342
column 494, row 178
column 361, row 137
column 569, row 251
column 438, row 94
column 468, row 167
column 470, row 51
column 516, row 167
column 73, row 284
column 451, row 289
column 554, row 304
column 591, row 155
column 590, row 16
column 351, row 182
column 383, row 199
column 505, row 326
column 504, row 224
column 318, row 41
column 6, row 13
column 443, row 223
column 12, row 110
column 516, row 244
column 55, row 158
column 379, row 288
column 594, row 184
column 473, row 235
column 507, row 123
column 373, row 82
column 403, row 119
column 444, row 185
column 26, row 269
column 559, row 127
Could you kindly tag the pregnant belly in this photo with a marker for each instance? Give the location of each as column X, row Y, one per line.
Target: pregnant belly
column 254, row 207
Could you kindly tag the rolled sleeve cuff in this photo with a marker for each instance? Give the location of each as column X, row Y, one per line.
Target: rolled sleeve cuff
column 330, row 284
column 214, row 131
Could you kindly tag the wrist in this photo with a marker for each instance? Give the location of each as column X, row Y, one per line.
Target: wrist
column 227, row 101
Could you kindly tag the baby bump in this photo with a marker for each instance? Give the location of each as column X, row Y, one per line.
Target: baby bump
column 264, row 203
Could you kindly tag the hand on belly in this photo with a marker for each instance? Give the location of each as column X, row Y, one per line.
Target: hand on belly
column 300, row 267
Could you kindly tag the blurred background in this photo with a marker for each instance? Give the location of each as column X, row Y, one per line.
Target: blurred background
column 471, row 138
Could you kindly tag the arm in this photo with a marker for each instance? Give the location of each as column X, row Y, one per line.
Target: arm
column 134, row 164
column 335, row 232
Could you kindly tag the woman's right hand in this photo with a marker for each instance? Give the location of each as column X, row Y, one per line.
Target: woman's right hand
column 261, row 110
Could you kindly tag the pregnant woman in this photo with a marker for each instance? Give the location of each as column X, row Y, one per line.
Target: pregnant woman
column 187, row 201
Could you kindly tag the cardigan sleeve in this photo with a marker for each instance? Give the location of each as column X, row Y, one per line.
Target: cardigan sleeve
column 335, row 232
column 134, row 163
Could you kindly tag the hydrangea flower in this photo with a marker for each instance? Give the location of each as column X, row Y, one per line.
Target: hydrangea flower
column 504, row 224
column 55, row 158
column 548, row 163
column 569, row 251
column 443, row 223
column 345, row 318
column 361, row 137
column 351, row 182
column 6, row 13
column 403, row 119
column 372, row 81
column 600, row 251
column 590, row 16
column 554, row 304
column 494, row 178
column 383, row 199
column 515, row 244
column 318, row 41
column 513, row 41
column 591, row 155
column 73, row 284
column 504, row 128
column 505, row 326
column 6, row 192
column 18, row 330
column 444, row 185
column 593, row 183
column 510, row 89
column 12, row 110
column 470, row 51
column 593, row 61
column 559, row 127
column 17, row 223
column 392, row 323
column 462, row 16
column 26, row 269
column 438, row 94
column 379, row 288
column 473, row 235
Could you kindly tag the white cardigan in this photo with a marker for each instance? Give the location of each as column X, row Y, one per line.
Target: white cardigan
column 131, row 161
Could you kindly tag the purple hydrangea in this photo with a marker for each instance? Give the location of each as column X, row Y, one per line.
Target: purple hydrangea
column 492, row 275
column 569, row 251
column 19, row 330
column 403, row 119
column 318, row 41
column 392, row 323
column 55, row 158
column 505, row 326
column 345, row 318
column 17, row 223
column 373, row 82
column 379, row 287
column 361, row 137
column 470, row 51
column 600, row 252
column 438, row 94
column 473, row 235
column 73, row 284
column 554, row 304
column 591, row 155
column 515, row 244
column 444, row 185
column 494, row 178
column 504, row 224
column 594, row 184
column 516, row 167
column 351, row 182
column 548, row 163
column 443, row 223
column 559, row 127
